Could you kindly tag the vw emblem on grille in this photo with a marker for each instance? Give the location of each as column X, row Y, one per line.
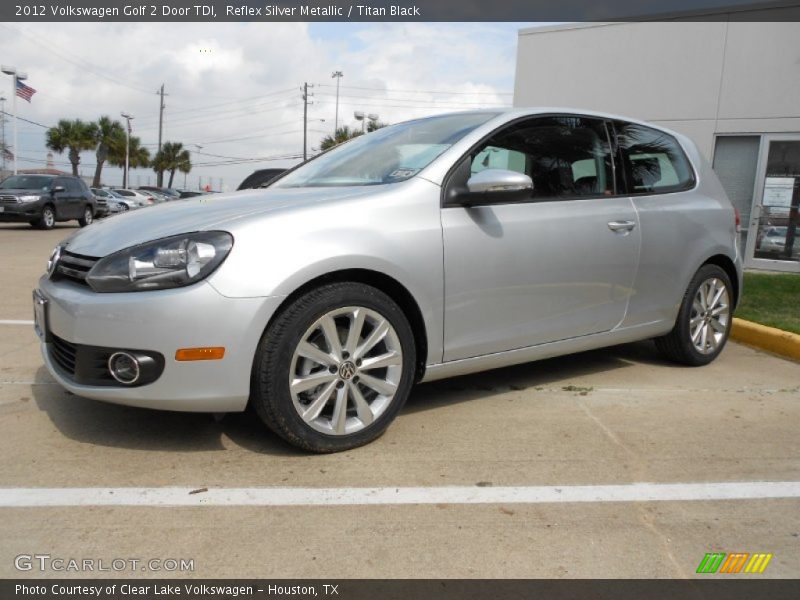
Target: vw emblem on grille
column 347, row 370
column 52, row 262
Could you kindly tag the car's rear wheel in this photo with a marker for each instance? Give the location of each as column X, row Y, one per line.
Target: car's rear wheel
column 88, row 216
column 47, row 218
column 334, row 368
column 704, row 320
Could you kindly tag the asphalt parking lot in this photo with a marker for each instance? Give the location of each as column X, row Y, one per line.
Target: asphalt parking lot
column 615, row 416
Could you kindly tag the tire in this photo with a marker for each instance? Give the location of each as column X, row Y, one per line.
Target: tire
column 679, row 345
column 88, row 216
column 305, row 326
column 47, row 218
column 124, row 208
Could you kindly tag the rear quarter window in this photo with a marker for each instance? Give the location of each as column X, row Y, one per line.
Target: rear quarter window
column 653, row 160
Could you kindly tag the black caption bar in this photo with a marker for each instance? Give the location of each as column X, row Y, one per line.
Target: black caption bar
column 381, row 10
column 376, row 589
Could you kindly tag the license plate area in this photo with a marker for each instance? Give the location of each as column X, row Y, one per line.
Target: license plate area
column 40, row 316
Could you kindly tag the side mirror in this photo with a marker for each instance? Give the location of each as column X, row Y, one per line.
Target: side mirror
column 499, row 180
column 58, row 188
column 494, row 186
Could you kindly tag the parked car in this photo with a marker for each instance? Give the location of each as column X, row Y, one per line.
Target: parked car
column 116, row 203
column 43, row 200
column 189, row 193
column 141, row 198
column 424, row 250
column 168, row 193
column 260, row 178
column 773, row 241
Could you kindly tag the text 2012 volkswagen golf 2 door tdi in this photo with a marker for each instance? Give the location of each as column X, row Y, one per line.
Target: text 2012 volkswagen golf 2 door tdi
column 427, row 249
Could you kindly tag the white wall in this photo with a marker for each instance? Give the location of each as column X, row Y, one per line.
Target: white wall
column 697, row 77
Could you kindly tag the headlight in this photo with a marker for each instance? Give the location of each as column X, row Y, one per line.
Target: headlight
column 29, row 198
column 161, row 264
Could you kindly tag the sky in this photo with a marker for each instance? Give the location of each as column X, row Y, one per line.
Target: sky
column 234, row 89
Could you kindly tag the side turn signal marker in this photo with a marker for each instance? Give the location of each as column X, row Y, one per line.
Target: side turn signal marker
column 213, row 353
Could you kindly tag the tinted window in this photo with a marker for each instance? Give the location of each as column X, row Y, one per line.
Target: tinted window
column 26, row 182
column 566, row 157
column 62, row 183
column 654, row 161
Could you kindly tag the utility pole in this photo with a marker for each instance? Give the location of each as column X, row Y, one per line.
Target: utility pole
column 338, row 75
column 3, row 125
column 128, row 118
column 161, row 95
column 305, row 121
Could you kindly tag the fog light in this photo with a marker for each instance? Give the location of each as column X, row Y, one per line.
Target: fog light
column 124, row 368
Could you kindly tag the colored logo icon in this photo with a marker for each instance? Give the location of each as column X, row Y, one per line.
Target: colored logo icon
column 736, row 562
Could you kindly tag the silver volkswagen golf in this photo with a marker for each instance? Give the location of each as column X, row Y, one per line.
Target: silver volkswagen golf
column 428, row 249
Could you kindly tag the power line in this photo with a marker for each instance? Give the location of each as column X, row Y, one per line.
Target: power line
column 27, row 120
column 414, row 101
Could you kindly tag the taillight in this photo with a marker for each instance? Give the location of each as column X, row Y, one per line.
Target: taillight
column 738, row 220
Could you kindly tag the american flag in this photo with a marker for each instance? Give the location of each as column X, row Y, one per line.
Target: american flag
column 25, row 92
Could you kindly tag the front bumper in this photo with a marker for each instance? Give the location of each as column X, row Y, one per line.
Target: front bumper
column 162, row 321
column 20, row 212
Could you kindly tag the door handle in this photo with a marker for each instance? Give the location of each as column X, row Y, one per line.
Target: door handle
column 621, row 226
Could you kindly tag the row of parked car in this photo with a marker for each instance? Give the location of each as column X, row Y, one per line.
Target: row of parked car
column 117, row 200
column 43, row 200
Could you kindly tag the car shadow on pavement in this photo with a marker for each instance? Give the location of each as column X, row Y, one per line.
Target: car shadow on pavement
column 112, row 425
column 558, row 372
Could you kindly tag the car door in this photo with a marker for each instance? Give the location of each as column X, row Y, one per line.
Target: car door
column 76, row 198
column 557, row 265
column 63, row 199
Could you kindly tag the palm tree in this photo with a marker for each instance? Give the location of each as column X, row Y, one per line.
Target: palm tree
column 74, row 136
column 138, row 156
column 109, row 133
column 172, row 157
column 343, row 134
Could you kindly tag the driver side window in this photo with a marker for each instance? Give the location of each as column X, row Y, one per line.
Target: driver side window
column 565, row 156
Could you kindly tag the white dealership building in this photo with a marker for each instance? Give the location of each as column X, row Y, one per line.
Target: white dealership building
column 730, row 81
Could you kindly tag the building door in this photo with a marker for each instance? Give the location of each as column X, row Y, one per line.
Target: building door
column 774, row 240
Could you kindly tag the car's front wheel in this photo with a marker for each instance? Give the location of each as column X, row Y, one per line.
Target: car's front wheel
column 46, row 219
column 88, row 217
column 704, row 320
column 334, row 368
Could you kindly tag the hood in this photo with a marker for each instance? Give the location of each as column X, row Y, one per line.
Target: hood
column 217, row 211
column 16, row 192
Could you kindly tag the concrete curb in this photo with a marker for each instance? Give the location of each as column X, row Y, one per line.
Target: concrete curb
column 766, row 338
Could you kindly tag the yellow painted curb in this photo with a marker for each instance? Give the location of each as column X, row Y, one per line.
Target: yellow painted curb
column 766, row 338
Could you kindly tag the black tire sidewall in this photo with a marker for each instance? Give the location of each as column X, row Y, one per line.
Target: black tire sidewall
column 703, row 274
column 270, row 390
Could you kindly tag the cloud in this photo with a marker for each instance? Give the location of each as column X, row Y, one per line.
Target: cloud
column 234, row 89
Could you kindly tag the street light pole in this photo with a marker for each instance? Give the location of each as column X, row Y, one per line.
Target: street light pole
column 338, row 75
column 128, row 118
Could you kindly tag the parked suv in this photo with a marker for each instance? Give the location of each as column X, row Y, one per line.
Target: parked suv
column 427, row 249
column 42, row 200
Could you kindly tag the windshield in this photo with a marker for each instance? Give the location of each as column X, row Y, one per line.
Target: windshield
column 388, row 155
column 26, row 182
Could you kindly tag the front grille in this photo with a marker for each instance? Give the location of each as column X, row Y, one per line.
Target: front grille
column 8, row 199
column 64, row 354
column 74, row 267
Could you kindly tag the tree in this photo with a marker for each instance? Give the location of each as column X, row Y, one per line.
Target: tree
column 109, row 133
column 343, row 134
column 73, row 136
column 172, row 157
column 139, row 156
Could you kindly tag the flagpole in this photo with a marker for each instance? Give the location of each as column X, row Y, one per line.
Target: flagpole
column 14, row 109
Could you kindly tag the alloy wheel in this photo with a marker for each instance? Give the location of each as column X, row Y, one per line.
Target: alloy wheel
column 88, row 216
column 48, row 217
column 710, row 316
column 345, row 370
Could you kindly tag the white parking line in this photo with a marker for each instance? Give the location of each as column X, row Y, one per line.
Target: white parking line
column 14, row 322
column 288, row 496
